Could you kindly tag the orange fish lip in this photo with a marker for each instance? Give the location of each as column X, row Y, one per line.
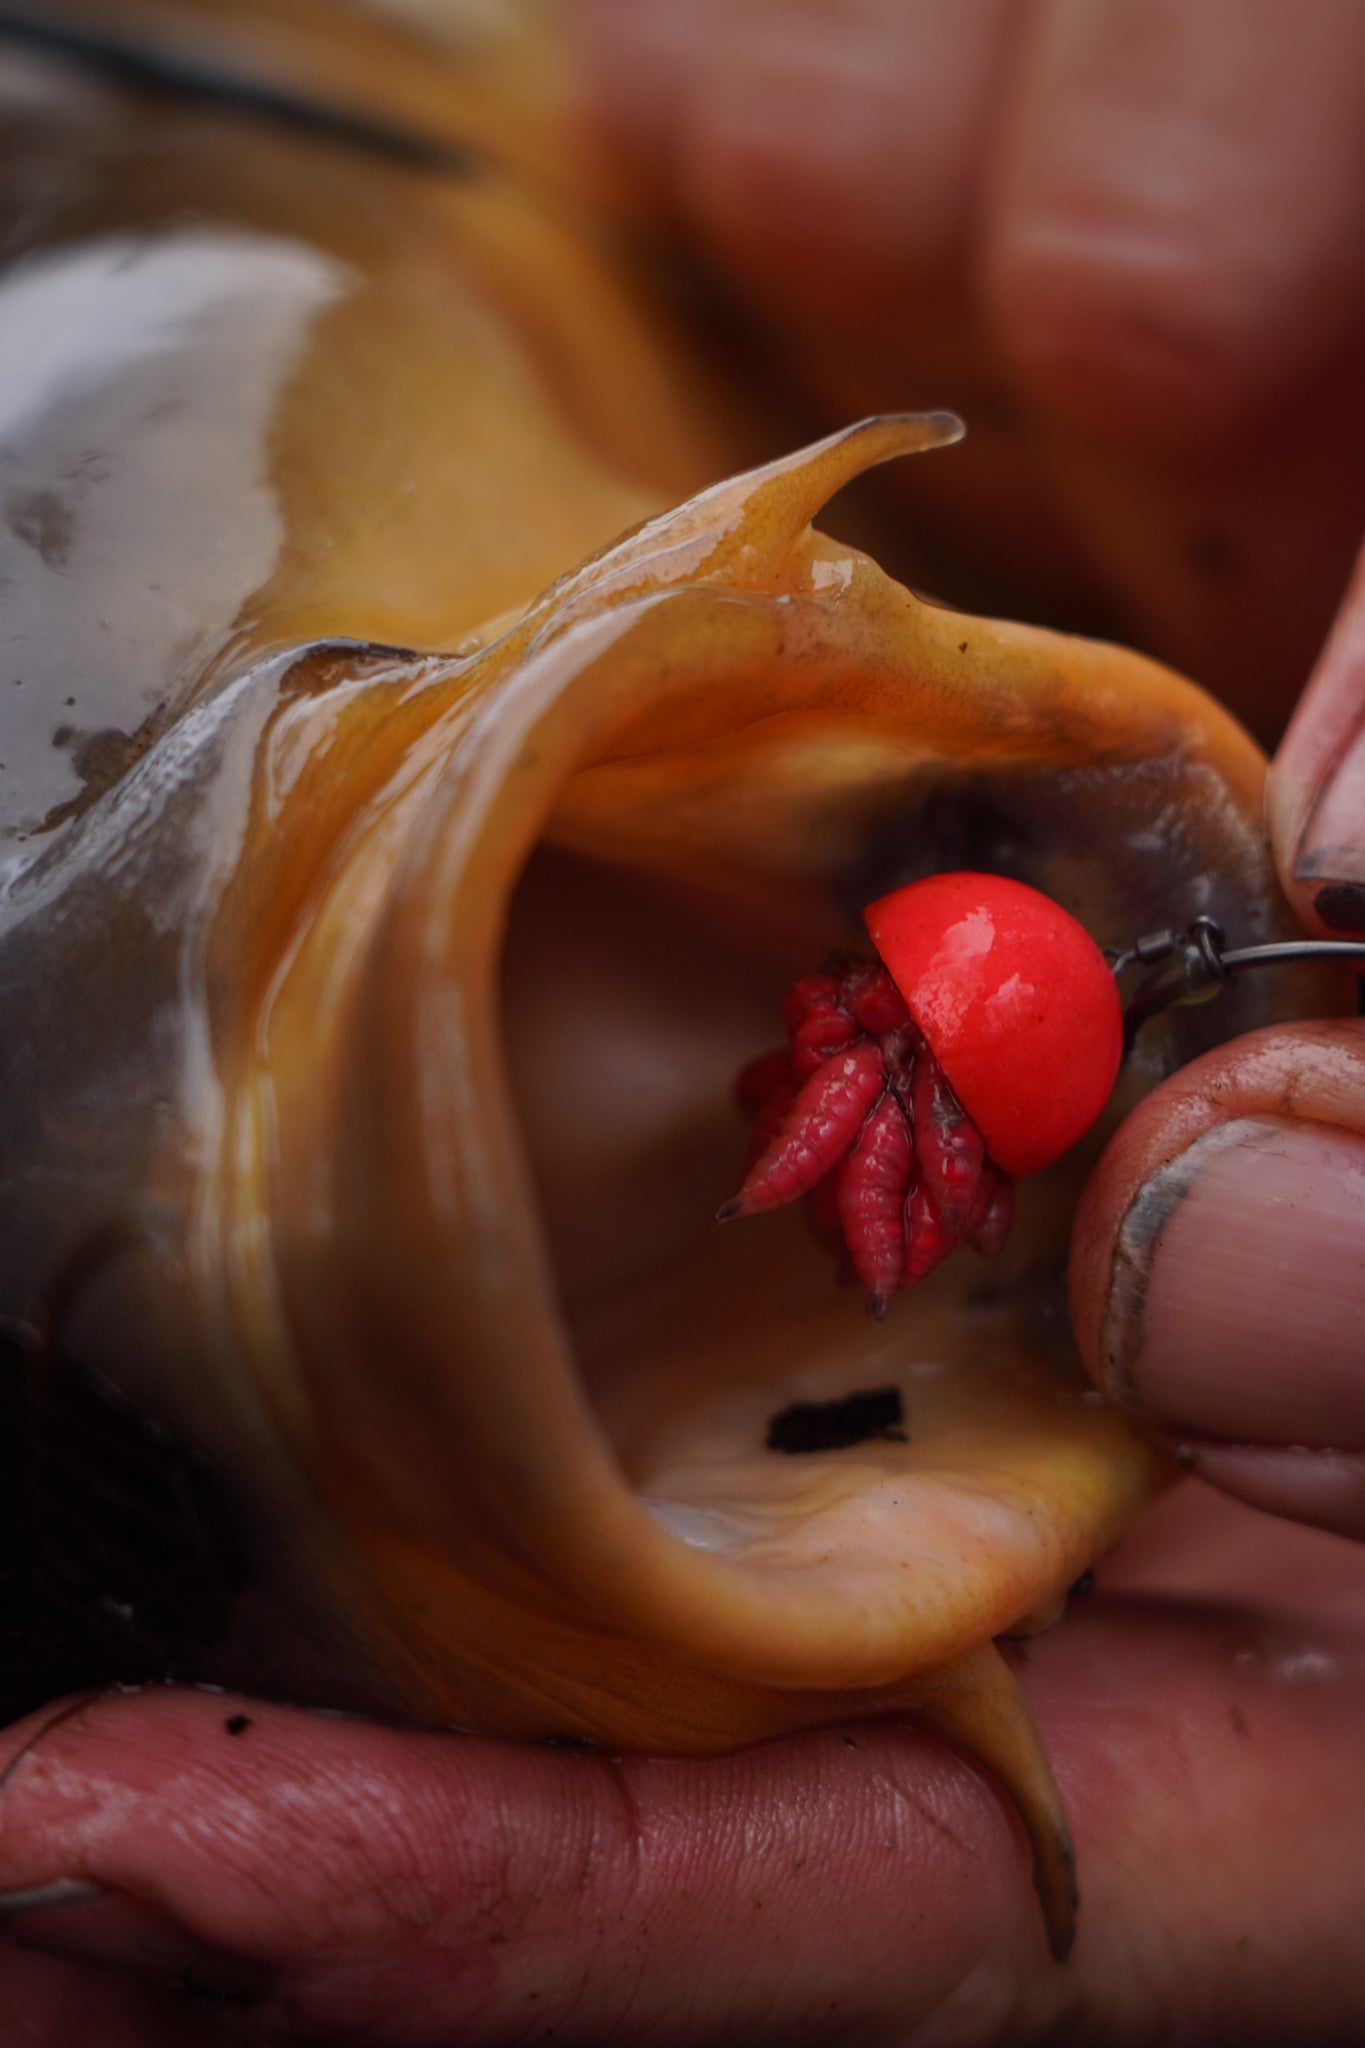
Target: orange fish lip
column 726, row 714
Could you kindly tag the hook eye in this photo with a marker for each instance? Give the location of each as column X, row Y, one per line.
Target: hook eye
column 1193, row 965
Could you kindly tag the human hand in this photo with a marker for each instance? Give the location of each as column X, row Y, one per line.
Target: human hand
column 318, row 1879
column 1126, row 241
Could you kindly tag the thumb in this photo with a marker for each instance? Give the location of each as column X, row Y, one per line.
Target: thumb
column 1316, row 792
column 1218, row 1268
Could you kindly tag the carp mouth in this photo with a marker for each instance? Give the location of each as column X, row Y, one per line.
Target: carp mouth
column 617, row 833
column 628, row 1013
column 635, row 984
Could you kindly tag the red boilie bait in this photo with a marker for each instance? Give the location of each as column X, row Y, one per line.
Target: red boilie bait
column 981, row 1044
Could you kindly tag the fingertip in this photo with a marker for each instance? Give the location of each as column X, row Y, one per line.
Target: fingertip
column 1218, row 1268
column 727, row 1896
column 1315, row 795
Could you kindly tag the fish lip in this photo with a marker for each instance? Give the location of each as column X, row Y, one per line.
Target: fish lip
column 521, row 1490
column 431, row 983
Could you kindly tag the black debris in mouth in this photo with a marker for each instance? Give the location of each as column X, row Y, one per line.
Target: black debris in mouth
column 861, row 1418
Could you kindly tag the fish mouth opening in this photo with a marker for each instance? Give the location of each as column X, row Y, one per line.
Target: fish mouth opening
column 630, row 1001
column 678, row 804
column 685, row 874
column 667, row 807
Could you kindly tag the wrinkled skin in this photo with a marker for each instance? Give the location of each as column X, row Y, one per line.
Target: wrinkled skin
column 1123, row 239
column 1118, row 1676
column 417, row 1889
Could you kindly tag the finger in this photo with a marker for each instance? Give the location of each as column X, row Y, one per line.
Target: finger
column 1179, row 213
column 849, row 159
column 1175, row 264
column 417, row 1890
column 829, row 154
column 1218, row 1268
column 822, row 146
column 1316, row 792
column 861, row 1882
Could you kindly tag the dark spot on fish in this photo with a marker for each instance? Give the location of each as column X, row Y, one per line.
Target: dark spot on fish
column 329, row 662
column 102, row 759
column 237, row 1724
column 45, row 523
column 63, row 736
column 962, row 647
column 1341, row 906
column 865, row 1417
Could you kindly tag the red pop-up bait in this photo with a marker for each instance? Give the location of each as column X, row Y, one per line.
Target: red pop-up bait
column 982, row 1045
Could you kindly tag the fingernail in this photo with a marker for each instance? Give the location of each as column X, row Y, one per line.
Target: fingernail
column 1332, row 851
column 93, row 1923
column 1237, row 1299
